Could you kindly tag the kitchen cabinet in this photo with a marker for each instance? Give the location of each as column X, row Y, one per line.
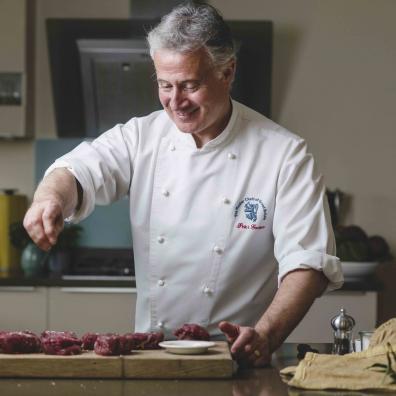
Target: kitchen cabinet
column 81, row 309
column 99, row 309
column 23, row 307
column 16, row 68
column 316, row 327
column 112, row 309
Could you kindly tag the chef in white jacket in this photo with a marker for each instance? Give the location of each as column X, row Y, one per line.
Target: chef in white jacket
column 229, row 218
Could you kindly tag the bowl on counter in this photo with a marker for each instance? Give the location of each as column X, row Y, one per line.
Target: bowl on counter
column 358, row 269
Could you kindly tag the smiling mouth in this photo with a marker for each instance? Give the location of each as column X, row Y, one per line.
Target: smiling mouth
column 185, row 115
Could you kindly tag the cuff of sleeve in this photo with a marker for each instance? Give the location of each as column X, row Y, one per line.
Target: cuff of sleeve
column 329, row 265
column 88, row 201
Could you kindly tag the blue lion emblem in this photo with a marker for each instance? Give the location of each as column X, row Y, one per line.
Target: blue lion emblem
column 251, row 211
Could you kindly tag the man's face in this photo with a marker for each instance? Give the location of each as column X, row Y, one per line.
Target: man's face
column 194, row 94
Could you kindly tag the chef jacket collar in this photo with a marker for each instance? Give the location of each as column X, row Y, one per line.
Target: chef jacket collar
column 187, row 141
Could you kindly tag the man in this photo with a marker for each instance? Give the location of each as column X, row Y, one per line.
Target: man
column 223, row 201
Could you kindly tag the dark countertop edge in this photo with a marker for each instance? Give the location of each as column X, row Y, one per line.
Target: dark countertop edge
column 58, row 282
column 372, row 284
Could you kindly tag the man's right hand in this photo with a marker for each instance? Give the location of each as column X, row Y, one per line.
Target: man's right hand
column 43, row 222
column 56, row 198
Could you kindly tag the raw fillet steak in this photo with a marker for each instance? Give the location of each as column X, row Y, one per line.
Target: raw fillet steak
column 88, row 341
column 145, row 340
column 109, row 344
column 2, row 333
column 126, row 344
column 190, row 331
column 51, row 333
column 60, row 343
column 19, row 342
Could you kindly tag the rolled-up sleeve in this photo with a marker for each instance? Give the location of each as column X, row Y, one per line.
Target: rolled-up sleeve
column 103, row 167
column 302, row 228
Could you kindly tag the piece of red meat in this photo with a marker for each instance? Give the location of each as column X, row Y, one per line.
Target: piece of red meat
column 126, row 344
column 51, row 333
column 88, row 341
column 2, row 333
column 144, row 341
column 109, row 344
column 19, row 342
column 60, row 343
column 191, row 331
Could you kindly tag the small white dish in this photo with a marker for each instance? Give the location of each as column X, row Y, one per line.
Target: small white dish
column 358, row 269
column 187, row 347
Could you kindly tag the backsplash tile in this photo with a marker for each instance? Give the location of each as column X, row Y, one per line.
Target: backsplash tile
column 108, row 226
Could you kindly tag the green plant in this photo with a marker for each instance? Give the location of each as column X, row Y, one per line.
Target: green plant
column 68, row 237
column 19, row 237
column 353, row 244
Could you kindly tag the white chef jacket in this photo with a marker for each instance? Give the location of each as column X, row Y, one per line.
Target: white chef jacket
column 213, row 228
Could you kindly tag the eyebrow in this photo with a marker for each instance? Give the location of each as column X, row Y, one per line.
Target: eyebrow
column 160, row 80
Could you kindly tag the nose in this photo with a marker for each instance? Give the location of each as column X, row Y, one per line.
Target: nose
column 177, row 99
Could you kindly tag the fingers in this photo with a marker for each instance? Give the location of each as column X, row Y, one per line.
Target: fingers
column 259, row 357
column 243, row 344
column 230, row 330
column 248, row 347
column 52, row 224
column 43, row 222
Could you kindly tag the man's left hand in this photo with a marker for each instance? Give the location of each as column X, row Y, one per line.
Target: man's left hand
column 248, row 347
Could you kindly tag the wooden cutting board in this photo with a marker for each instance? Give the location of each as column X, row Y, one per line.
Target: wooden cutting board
column 216, row 363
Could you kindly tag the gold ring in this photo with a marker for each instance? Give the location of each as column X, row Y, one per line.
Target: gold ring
column 257, row 353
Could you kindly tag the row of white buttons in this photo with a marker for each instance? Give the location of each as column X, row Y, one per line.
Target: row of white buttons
column 217, row 249
column 206, row 289
column 230, row 156
column 225, row 200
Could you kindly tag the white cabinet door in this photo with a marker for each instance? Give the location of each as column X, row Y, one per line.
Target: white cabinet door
column 23, row 308
column 97, row 309
column 316, row 327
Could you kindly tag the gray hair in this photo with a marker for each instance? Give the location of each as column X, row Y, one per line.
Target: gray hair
column 189, row 27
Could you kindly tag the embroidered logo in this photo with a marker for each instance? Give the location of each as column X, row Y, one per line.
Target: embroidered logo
column 251, row 214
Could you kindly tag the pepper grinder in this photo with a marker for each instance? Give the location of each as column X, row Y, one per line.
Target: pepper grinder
column 343, row 325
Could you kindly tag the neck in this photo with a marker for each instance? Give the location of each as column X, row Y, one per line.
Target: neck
column 217, row 128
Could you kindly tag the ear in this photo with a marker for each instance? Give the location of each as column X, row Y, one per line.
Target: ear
column 228, row 72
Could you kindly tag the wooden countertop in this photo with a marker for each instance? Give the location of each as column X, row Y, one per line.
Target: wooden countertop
column 245, row 382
